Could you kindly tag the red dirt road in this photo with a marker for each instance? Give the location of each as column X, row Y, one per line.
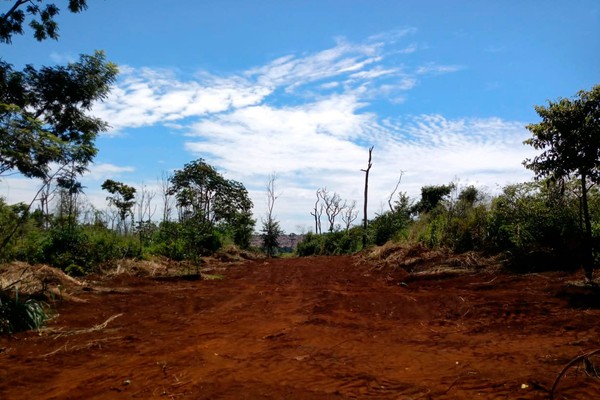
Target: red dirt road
column 309, row 328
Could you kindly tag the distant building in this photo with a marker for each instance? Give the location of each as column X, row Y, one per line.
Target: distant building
column 287, row 243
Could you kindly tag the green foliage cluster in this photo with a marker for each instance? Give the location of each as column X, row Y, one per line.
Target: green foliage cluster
column 44, row 115
column 41, row 16
column 331, row 243
column 18, row 314
column 271, row 230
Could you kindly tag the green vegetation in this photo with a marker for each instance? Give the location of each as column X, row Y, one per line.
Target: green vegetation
column 569, row 136
column 17, row 314
column 77, row 238
column 537, row 224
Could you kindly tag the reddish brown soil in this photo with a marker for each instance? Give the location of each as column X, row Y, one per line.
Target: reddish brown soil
column 311, row 328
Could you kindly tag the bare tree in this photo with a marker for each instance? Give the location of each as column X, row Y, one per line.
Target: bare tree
column 350, row 214
column 46, row 195
column 271, row 229
column 145, row 212
column 366, row 171
column 318, row 211
column 167, row 197
column 394, row 192
column 333, row 207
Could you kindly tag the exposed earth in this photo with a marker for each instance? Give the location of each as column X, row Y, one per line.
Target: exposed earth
column 309, row 328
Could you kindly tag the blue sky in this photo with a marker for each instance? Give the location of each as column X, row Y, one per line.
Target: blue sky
column 442, row 89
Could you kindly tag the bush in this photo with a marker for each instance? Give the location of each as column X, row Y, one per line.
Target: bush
column 310, row 245
column 332, row 243
column 17, row 315
column 68, row 248
column 388, row 226
column 533, row 215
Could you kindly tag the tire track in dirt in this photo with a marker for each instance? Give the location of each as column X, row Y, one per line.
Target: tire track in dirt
column 310, row 328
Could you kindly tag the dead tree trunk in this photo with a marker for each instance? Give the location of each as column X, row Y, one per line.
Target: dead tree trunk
column 394, row 192
column 318, row 212
column 366, row 171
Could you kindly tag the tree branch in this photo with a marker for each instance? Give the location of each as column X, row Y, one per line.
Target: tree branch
column 14, row 8
column 394, row 192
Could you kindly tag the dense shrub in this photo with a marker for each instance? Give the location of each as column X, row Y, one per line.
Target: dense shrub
column 466, row 219
column 533, row 215
column 388, row 226
column 331, row 243
column 18, row 314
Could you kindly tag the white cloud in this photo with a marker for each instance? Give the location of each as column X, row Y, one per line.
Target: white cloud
column 63, row 58
column 256, row 139
column 435, row 69
column 146, row 97
column 394, row 35
column 103, row 171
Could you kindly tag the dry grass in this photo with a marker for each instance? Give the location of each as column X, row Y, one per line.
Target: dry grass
column 419, row 260
column 157, row 267
column 38, row 279
column 60, row 332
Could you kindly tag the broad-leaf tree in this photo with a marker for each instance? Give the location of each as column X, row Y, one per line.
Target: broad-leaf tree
column 569, row 137
column 123, row 198
column 206, row 199
column 431, row 196
column 44, row 117
column 41, row 15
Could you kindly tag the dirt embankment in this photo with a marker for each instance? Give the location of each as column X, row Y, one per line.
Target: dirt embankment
column 309, row 328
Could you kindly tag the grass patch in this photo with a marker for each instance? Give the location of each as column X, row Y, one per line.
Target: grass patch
column 20, row 315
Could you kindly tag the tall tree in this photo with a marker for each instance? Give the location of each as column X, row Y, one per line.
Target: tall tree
column 44, row 113
column 206, row 199
column 123, row 198
column 318, row 211
column 333, row 207
column 365, row 221
column 569, row 137
column 271, row 229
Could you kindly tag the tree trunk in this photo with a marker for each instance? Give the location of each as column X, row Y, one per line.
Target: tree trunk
column 588, row 256
column 366, row 171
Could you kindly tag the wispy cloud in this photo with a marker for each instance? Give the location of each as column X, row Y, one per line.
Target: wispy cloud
column 145, row 96
column 314, row 136
column 102, row 171
column 436, row 69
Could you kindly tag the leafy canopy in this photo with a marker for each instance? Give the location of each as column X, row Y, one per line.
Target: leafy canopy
column 206, row 198
column 569, row 135
column 123, row 196
column 43, row 114
column 42, row 18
